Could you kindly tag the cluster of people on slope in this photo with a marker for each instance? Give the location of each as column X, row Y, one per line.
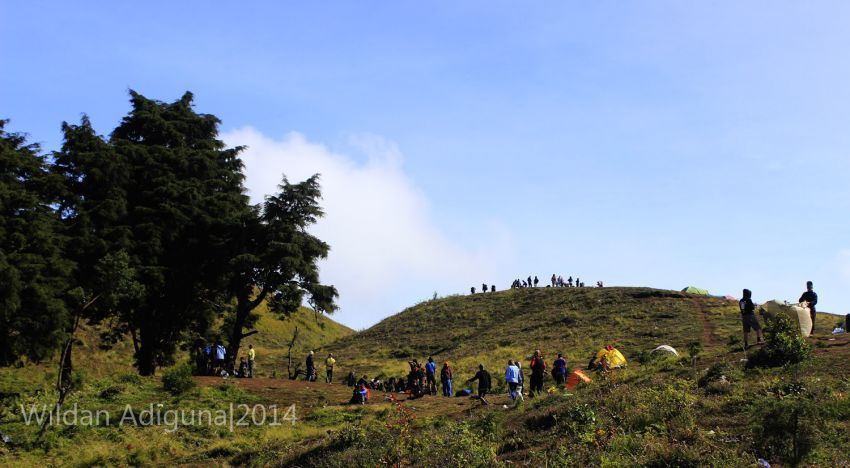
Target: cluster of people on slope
column 422, row 379
column 211, row 359
column 483, row 288
column 809, row 299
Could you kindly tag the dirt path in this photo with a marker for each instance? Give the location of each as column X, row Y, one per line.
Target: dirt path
column 708, row 337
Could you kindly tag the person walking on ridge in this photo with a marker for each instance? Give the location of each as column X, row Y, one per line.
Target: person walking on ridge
column 811, row 297
column 748, row 317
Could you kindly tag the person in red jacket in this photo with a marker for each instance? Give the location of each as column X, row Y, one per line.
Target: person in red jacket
column 538, row 371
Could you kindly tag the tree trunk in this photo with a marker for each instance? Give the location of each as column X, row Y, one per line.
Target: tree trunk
column 244, row 306
column 146, row 355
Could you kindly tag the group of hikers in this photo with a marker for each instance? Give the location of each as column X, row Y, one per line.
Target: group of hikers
column 808, row 299
column 557, row 281
column 483, row 288
column 422, row 378
column 211, row 359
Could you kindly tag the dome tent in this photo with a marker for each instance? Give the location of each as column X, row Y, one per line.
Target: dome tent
column 665, row 349
column 695, row 290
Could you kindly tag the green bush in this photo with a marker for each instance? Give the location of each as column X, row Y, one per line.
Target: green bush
column 178, row 379
column 785, row 428
column 783, row 344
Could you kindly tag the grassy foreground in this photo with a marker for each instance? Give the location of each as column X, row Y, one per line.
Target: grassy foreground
column 670, row 411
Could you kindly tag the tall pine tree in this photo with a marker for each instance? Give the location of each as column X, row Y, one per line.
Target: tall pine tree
column 33, row 273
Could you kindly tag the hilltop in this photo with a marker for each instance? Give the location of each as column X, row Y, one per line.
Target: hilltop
column 510, row 324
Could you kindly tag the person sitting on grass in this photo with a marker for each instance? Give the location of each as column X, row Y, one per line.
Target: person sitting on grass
column 483, row 378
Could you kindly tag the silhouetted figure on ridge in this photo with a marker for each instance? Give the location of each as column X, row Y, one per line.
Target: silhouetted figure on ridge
column 536, row 281
column 492, row 288
column 472, row 290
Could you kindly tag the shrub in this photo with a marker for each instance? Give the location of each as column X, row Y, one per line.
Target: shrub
column 783, row 344
column 178, row 379
column 785, row 428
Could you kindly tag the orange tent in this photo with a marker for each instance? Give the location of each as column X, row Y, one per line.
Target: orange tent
column 576, row 377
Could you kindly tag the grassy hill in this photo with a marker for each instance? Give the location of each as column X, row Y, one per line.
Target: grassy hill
column 657, row 412
column 511, row 324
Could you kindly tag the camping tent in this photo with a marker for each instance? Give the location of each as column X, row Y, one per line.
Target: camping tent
column 614, row 357
column 799, row 315
column 695, row 290
column 576, row 377
column 665, row 349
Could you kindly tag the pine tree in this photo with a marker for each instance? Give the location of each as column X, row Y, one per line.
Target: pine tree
column 33, row 273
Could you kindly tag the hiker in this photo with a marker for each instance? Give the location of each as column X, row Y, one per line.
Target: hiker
column 431, row 375
column 209, row 354
column 329, row 368
column 538, row 371
column 554, row 280
column 529, row 281
column 483, row 288
column 559, row 370
column 364, row 381
column 521, row 382
column 251, row 356
column 536, row 281
column 351, row 380
column 512, row 378
column 811, row 297
column 748, row 317
column 524, row 284
column 492, row 288
column 446, row 379
column 472, row 290
column 483, row 378
column 570, row 281
column 220, row 354
column 242, row 372
column 311, row 368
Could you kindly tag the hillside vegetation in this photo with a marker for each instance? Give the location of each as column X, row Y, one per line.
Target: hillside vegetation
column 709, row 409
column 511, row 324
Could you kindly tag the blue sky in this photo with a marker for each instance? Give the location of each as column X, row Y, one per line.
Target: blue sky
column 640, row 143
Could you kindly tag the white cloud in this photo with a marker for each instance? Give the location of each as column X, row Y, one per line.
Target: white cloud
column 386, row 251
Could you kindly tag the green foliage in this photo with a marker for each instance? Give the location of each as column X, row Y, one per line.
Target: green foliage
column 34, row 274
column 783, row 344
column 178, row 379
column 785, row 428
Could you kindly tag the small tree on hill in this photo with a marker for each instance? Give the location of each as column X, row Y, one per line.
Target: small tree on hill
column 278, row 259
column 783, row 344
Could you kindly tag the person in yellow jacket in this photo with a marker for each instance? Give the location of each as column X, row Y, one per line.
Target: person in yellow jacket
column 329, row 364
column 251, row 355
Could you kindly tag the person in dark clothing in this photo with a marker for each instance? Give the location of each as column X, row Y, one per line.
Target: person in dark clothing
column 529, row 282
column 492, row 288
column 536, row 281
column 483, row 378
column 748, row 317
column 538, row 371
column 431, row 375
column 554, row 280
column 472, row 290
column 351, row 380
column 559, row 370
column 311, row 368
column 811, row 297
column 483, row 287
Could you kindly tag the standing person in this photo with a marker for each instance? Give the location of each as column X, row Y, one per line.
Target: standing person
column 559, row 370
column 472, row 290
column 483, row 378
column 251, row 355
column 492, row 288
column 578, row 284
column 811, row 297
column 512, row 378
column 536, row 281
column 431, row 375
column 220, row 354
column 748, row 317
column 446, row 379
column 311, row 368
column 329, row 368
column 554, row 280
column 570, row 281
column 538, row 371
column 521, row 383
column 529, row 282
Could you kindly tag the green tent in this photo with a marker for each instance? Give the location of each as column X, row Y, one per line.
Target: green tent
column 695, row 290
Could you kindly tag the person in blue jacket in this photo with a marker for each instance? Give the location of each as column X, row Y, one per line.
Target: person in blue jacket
column 512, row 378
column 559, row 370
column 431, row 375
